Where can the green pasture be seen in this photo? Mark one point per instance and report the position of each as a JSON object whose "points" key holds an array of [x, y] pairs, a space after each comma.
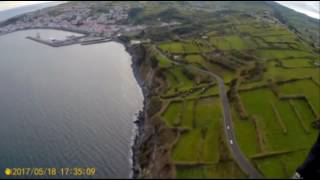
{"points": [[296, 63], [172, 114], [304, 87], [258, 103], [228, 42], [187, 116], [172, 47], [207, 111], [281, 166], [223, 170], [279, 74], [280, 54], [188, 147]]}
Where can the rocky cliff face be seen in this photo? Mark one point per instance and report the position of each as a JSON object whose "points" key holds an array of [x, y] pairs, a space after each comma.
{"points": [[154, 139]]}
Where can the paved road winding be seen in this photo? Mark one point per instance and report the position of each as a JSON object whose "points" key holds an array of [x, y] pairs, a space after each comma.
{"points": [[238, 156]]}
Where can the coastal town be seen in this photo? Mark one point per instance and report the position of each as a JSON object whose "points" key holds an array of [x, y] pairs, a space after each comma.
{"points": [[97, 23], [76, 18]]}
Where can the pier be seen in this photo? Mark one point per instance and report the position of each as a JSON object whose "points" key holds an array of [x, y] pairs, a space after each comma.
{"points": [[83, 40], [96, 41]]}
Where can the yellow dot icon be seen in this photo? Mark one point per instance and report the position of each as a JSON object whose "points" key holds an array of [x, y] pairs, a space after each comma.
{"points": [[7, 172]]}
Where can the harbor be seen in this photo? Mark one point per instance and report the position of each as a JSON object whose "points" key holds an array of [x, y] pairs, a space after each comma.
{"points": [[69, 40]]}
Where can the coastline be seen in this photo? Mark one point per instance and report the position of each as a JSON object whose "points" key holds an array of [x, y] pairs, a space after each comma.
{"points": [[140, 118], [150, 150]]}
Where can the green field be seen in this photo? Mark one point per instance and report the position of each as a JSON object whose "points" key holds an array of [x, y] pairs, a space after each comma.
{"points": [[164, 62], [207, 111], [281, 39], [191, 47], [172, 47], [173, 114], [187, 116], [280, 54], [204, 131], [228, 42], [194, 59], [281, 166], [218, 171], [226, 74], [245, 134], [257, 103], [210, 148], [296, 63], [307, 88], [188, 148], [177, 81], [278, 73]]}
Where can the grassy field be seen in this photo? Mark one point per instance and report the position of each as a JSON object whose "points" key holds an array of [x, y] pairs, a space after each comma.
{"points": [[191, 47], [281, 39], [210, 153], [184, 82], [207, 111], [296, 63], [177, 81], [197, 59], [164, 62], [218, 171], [173, 114], [187, 116], [228, 42], [278, 73], [172, 47], [245, 134], [281, 166], [280, 54], [188, 148], [194, 59], [204, 134], [257, 103], [226, 74], [304, 87]]}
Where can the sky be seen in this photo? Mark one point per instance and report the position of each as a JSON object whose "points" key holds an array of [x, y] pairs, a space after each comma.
{"points": [[6, 5], [310, 8]]}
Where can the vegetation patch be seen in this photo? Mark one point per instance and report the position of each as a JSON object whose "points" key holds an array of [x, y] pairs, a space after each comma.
{"points": [[307, 88], [207, 111], [172, 47], [281, 54], [257, 103], [281, 166], [228, 169], [173, 114], [187, 149], [188, 114], [228, 42], [296, 63]]}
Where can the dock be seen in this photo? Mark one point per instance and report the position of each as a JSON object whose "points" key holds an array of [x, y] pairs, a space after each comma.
{"points": [[67, 42], [96, 41]]}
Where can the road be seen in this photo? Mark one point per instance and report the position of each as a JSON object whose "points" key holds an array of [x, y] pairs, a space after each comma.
{"points": [[236, 152], [238, 156]]}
